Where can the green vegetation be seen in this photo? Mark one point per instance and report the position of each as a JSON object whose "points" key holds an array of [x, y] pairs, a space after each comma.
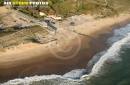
{"points": [[13, 37], [71, 7], [65, 8], [24, 11], [117, 74], [33, 12], [7, 31]]}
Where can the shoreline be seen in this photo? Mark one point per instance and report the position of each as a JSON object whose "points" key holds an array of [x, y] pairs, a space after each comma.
{"points": [[95, 33], [88, 45]]}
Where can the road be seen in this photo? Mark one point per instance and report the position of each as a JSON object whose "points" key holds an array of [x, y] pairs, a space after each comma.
{"points": [[49, 24], [36, 22]]}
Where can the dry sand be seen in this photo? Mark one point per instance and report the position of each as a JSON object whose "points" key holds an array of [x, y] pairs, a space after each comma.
{"points": [[3, 10], [40, 58], [91, 29], [101, 25]]}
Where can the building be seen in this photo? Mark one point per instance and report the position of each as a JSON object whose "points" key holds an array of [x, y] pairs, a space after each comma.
{"points": [[42, 14], [54, 17], [58, 18], [44, 24]]}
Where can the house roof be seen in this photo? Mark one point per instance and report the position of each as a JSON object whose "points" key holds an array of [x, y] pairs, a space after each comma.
{"points": [[42, 13]]}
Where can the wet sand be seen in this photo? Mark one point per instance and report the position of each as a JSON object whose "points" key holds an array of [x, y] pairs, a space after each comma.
{"points": [[52, 65]]}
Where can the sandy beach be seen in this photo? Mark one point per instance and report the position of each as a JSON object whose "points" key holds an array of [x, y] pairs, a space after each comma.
{"points": [[38, 59], [3, 10]]}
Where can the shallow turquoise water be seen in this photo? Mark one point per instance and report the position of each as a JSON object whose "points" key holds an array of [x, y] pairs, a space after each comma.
{"points": [[118, 73]]}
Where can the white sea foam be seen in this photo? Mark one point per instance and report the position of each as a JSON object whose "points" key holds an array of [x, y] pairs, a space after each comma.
{"points": [[113, 52], [119, 34], [29, 80], [94, 60], [75, 74], [43, 80]]}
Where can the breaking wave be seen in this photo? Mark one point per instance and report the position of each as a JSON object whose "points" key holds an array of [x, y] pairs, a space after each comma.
{"points": [[99, 63], [120, 40], [119, 34]]}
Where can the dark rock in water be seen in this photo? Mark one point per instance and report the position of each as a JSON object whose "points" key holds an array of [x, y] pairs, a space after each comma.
{"points": [[75, 74]]}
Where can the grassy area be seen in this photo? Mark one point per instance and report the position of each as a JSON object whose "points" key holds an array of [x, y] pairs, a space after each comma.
{"points": [[93, 7], [22, 0], [32, 12], [22, 36], [71, 7], [118, 5]]}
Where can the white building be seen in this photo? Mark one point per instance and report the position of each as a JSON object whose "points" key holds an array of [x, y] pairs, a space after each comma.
{"points": [[42, 14], [54, 17]]}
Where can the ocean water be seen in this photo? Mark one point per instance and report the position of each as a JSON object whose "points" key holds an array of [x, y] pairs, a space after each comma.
{"points": [[118, 73], [113, 66], [110, 67]]}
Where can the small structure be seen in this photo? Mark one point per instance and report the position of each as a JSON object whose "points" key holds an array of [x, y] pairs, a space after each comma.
{"points": [[76, 17], [44, 24], [1, 25], [72, 23], [58, 18], [42, 14], [54, 17]]}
